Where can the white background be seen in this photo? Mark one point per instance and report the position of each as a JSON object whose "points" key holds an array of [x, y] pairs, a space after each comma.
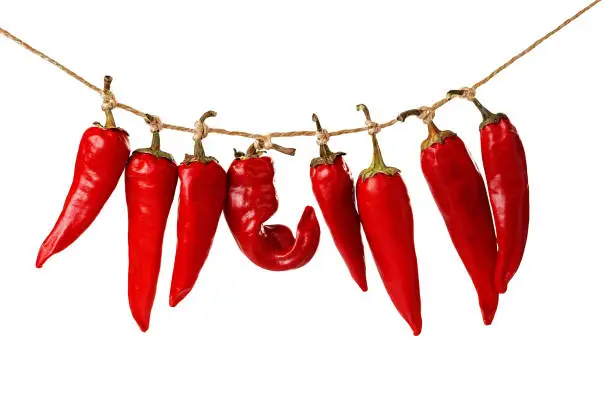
{"points": [[309, 338]]}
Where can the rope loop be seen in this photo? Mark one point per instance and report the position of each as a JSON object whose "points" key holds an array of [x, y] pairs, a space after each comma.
{"points": [[108, 98], [200, 130], [108, 101], [154, 122], [373, 127], [322, 137], [427, 114], [468, 93], [263, 143]]}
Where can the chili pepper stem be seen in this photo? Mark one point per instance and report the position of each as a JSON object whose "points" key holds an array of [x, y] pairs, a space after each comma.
{"points": [[110, 120], [155, 148], [198, 151], [435, 136], [253, 152], [483, 111], [488, 117], [378, 164], [199, 155], [412, 112], [198, 147], [326, 156], [155, 142], [325, 151]]}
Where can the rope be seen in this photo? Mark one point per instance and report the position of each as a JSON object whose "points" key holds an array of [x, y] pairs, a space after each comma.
{"points": [[427, 113]]}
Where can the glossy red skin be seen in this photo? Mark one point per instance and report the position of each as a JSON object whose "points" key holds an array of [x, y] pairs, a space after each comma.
{"points": [[201, 200], [505, 167], [99, 164], [334, 190], [150, 183], [459, 192], [386, 216], [251, 201]]}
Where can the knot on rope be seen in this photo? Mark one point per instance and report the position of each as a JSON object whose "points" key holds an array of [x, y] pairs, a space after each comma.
{"points": [[108, 100], [200, 130], [373, 127], [322, 137], [427, 114], [154, 122], [264, 143], [468, 93]]}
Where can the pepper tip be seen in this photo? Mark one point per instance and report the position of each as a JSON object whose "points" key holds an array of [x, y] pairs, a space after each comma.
{"points": [[144, 326], [43, 255], [176, 298], [487, 317], [361, 282], [141, 321]]}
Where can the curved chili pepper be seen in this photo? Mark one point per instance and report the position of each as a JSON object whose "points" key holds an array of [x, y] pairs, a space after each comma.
{"points": [[505, 168], [251, 201], [201, 200], [332, 185], [100, 161], [386, 216], [150, 183], [459, 192]]}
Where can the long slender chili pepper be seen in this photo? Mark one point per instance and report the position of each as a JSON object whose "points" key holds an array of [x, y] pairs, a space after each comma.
{"points": [[386, 215], [505, 168], [202, 196], [100, 161], [150, 183], [251, 201], [459, 192], [333, 187]]}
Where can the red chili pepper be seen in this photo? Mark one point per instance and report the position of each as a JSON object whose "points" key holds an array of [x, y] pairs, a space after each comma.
{"points": [[332, 185], [201, 200], [386, 216], [459, 192], [505, 167], [251, 201], [150, 183], [100, 161]]}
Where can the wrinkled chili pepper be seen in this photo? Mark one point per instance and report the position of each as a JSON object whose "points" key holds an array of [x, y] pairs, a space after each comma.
{"points": [[201, 199], [459, 191], [386, 216], [332, 185], [150, 183], [251, 201], [505, 168], [100, 161]]}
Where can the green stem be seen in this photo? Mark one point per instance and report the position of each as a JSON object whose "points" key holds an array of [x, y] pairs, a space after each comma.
{"points": [[198, 151], [378, 165], [435, 136], [486, 114], [155, 142], [377, 160], [325, 152], [110, 120], [252, 152], [488, 117]]}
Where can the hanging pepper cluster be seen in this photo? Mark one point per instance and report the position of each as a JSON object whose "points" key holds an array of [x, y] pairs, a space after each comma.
{"points": [[487, 222]]}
